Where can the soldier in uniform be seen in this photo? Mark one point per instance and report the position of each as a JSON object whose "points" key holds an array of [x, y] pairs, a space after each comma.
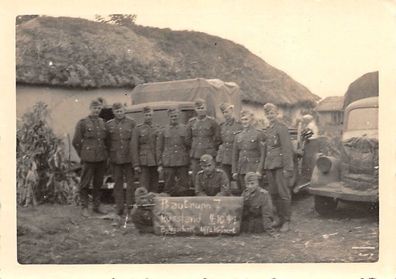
{"points": [[278, 165], [88, 141], [118, 141], [142, 212], [204, 133], [228, 130], [211, 181], [144, 150], [173, 158], [248, 150], [257, 207]]}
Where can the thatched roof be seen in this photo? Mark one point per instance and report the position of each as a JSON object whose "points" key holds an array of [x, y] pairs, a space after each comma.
{"points": [[75, 52], [333, 103], [363, 87]]}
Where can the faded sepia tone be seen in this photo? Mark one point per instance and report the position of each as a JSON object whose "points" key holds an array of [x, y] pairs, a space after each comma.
{"points": [[353, 234]]}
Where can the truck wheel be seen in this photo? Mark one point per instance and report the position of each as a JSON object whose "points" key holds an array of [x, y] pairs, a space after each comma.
{"points": [[325, 205]]}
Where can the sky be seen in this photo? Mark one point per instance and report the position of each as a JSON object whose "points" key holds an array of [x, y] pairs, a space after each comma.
{"points": [[325, 45]]}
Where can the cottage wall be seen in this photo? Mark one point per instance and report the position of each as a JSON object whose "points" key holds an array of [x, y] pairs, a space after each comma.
{"points": [[67, 106]]}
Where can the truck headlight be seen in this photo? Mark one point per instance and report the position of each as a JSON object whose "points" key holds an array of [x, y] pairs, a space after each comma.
{"points": [[324, 164]]}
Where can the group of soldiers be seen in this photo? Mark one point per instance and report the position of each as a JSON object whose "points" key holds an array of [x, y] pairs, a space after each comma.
{"points": [[215, 154]]}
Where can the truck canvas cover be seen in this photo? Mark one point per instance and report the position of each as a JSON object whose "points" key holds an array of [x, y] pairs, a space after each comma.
{"points": [[213, 91]]}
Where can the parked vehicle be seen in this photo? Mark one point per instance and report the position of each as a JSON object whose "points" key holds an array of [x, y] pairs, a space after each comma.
{"points": [[354, 176]]}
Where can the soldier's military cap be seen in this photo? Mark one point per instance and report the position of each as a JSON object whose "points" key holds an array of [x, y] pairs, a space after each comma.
{"points": [[307, 117], [140, 191], [173, 110], [268, 107], [246, 113], [199, 103], [251, 176], [206, 159], [117, 106], [96, 103], [147, 109], [225, 106]]}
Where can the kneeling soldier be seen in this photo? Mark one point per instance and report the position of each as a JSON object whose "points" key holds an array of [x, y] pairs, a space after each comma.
{"points": [[142, 213], [211, 181], [257, 207]]}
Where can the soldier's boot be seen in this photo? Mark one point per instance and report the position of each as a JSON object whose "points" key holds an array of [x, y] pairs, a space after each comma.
{"points": [[117, 221], [85, 212], [286, 212], [96, 203], [285, 227], [99, 210], [277, 222]]}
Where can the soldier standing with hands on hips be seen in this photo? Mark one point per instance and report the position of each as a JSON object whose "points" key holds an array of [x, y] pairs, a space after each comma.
{"points": [[144, 151], [228, 130], [204, 133], [248, 150], [118, 141], [278, 165], [173, 158], [88, 141]]}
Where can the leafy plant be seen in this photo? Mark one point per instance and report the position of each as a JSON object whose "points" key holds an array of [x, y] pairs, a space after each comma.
{"points": [[43, 173]]}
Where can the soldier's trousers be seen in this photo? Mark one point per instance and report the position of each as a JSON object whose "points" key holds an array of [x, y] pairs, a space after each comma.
{"points": [[91, 171], [176, 180], [149, 178], [280, 193], [228, 170], [195, 168], [123, 173]]}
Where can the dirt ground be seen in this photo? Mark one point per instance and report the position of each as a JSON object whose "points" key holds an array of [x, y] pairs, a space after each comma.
{"points": [[54, 234]]}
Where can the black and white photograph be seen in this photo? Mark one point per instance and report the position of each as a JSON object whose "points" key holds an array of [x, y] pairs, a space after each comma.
{"points": [[221, 132]]}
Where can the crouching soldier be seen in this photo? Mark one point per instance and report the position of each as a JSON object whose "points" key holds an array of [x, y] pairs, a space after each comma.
{"points": [[211, 181], [142, 213], [257, 207]]}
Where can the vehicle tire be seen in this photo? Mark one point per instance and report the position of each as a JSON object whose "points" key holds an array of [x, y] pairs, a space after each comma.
{"points": [[325, 205]]}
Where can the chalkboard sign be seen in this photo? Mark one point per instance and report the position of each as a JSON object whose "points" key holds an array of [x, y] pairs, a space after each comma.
{"points": [[197, 215]]}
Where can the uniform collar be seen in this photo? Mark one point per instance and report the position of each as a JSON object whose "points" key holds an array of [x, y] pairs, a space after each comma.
{"points": [[120, 120], [210, 174], [230, 121], [274, 123], [251, 192], [148, 123]]}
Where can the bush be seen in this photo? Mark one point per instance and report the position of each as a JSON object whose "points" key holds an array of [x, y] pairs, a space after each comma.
{"points": [[43, 173]]}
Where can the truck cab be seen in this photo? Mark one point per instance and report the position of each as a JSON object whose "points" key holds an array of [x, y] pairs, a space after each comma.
{"points": [[354, 175]]}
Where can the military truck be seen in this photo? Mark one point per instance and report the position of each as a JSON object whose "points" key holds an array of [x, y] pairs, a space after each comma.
{"points": [[353, 177]]}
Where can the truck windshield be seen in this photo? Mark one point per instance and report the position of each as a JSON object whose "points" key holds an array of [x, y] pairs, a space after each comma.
{"points": [[160, 117], [363, 119]]}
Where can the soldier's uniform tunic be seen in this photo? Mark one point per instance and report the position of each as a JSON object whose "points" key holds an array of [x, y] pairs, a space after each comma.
{"points": [[257, 210], [228, 131], [172, 150], [205, 137], [215, 183], [248, 153], [119, 136], [88, 141], [279, 157], [144, 150]]}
